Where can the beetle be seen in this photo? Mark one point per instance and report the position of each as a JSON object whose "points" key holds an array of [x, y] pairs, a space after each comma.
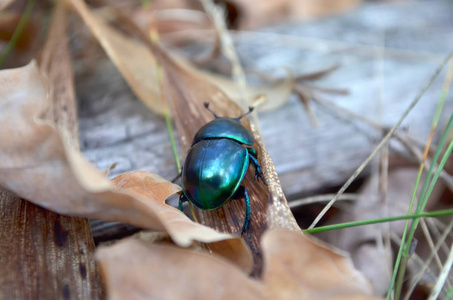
{"points": [[216, 164]]}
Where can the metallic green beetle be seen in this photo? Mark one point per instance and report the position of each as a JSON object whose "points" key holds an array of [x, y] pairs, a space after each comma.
{"points": [[216, 164]]}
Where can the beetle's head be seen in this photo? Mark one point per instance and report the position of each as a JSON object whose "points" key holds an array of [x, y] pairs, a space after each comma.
{"points": [[238, 119]]}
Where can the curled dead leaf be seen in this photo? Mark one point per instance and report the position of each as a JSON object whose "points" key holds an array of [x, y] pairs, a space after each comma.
{"points": [[297, 267], [38, 164]]}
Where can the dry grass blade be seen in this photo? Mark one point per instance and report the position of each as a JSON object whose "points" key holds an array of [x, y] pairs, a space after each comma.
{"points": [[427, 262], [435, 292], [226, 44], [322, 198]]}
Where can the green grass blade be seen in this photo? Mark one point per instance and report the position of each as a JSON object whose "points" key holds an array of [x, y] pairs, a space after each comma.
{"points": [[422, 203], [379, 220], [403, 238], [399, 266]]}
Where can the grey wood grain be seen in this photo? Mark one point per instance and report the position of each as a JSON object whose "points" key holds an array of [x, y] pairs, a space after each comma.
{"points": [[115, 127]]}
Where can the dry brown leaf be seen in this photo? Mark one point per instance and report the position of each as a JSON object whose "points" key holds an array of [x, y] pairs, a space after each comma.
{"points": [[5, 3], [37, 163], [255, 13], [132, 59], [297, 267], [166, 272], [138, 66]]}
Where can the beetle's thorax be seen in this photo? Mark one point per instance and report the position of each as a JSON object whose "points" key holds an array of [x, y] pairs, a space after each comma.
{"points": [[224, 127]]}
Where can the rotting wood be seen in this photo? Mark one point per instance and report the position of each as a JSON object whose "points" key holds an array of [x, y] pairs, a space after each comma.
{"points": [[44, 255]]}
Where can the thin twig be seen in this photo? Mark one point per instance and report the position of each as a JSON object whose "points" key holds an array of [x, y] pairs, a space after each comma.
{"points": [[432, 226], [430, 242], [305, 99], [227, 46], [427, 262], [316, 74]]}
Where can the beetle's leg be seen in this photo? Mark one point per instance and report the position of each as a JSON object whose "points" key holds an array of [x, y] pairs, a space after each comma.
{"points": [[253, 158], [182, 199], [242, 193]]}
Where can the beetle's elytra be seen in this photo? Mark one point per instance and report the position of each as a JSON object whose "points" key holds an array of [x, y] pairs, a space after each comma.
{"points": [[216, 164]]}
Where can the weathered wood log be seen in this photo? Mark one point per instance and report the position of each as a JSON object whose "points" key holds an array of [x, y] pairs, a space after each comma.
{"points": [[44, 255], [115, 127]]}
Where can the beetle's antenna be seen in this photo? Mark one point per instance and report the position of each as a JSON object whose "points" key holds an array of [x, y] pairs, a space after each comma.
{"points": [[206, 104], [251, 108]]}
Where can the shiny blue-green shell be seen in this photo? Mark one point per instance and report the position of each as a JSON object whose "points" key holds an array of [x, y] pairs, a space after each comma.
{"points": [[213, 171], [228, 128]]}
